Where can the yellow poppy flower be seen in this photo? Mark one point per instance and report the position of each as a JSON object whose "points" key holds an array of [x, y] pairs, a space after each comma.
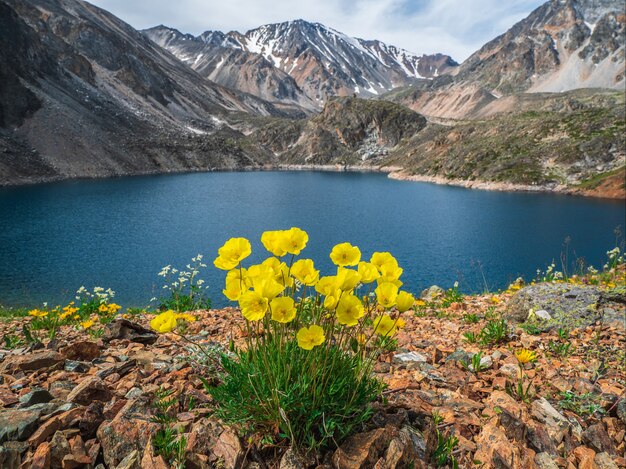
{"points": [[232, 253], [309, 337], [404, 301], [164, 322], [326, 285], [273, 242], [386, 326], [267, 287], [386, 294], [389, 272], [349, 310], [294, 240], [344, 254], [233, 289], [380, 258], [253, 305], [330, 301], [103, 308], [525, 356], [283, 309], [347, 279], [368, 272], [304, 271]]}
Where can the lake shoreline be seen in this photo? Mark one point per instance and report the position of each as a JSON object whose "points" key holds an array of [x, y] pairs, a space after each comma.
{"points": [[397, 173]]}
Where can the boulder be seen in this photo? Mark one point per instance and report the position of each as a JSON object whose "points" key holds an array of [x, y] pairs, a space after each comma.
{"points": [[128, 432], [431, 293], [84, 350], [17, 424], [568, 305], [89, 390], [36, 396], [31, 361], [124, 329], [363, 450], [597, 438]]}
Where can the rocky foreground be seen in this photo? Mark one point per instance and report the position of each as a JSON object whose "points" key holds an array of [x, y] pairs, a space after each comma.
{"points": [[80, 401]]}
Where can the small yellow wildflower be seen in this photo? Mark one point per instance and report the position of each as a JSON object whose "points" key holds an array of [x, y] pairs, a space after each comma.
{"points": [[37, 313], [87, 324], [186, 317], [114, 308], [309, 337], [103, 308], [525, 356]]}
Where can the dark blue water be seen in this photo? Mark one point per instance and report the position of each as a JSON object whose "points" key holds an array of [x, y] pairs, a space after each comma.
{"points": [[118, 233]]}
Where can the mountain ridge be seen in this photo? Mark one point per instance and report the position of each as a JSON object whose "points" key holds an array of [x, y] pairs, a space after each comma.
{"points": [[322, 61]]}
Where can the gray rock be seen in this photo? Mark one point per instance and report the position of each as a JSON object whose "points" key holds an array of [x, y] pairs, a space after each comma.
{"points": [[410, 357], [486, 362], [124, 329], [17, 424], [36, 396], [604, 461], [543, 314], [460, 356], [568, 305], [621, 410], [597, 438], [510, 370], [555, 423], [431, 293], [76, 366], [130, 462], [545, 461], [11, 454], [290, 460], [133, 393]]}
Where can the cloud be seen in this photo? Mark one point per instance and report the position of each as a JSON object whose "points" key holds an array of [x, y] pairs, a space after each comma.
{"points": [[455, 27]]}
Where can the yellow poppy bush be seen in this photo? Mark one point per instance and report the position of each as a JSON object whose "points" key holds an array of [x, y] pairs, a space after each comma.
{"points": [[311, 339]]}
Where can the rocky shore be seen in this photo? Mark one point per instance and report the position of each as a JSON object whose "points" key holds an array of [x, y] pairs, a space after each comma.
{"points": [[613, 192], [81, 401]]}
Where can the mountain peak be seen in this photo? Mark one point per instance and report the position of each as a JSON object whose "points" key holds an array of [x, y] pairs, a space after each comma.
{"points": [[322, 61]]}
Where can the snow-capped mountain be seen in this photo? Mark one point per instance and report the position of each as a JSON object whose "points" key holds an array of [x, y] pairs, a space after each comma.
{"points": [[300, 61]]}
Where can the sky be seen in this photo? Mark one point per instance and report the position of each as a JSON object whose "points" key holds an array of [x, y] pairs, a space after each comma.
{"points": [[454, 27]]}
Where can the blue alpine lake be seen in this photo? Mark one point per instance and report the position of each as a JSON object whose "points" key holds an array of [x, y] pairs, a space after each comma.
{"points": [[120, 232]]}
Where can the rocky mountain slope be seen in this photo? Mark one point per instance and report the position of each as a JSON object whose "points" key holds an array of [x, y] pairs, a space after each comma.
{"points": [[562, 45], [299, 61], [84, 94], [567, 142], [348, 131]]}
